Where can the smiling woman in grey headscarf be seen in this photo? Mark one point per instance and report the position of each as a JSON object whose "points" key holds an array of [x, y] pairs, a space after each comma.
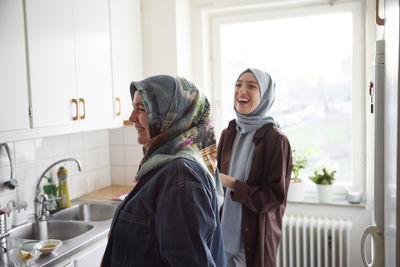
{"points": [[255, 161], [171, 216]]}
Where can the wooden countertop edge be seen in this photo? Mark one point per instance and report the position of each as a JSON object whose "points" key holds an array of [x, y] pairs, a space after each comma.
{"points": [[108, 192]]}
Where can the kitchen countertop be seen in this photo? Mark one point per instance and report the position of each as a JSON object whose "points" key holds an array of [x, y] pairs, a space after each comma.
{"points": [[77, 243], [107, 193]]}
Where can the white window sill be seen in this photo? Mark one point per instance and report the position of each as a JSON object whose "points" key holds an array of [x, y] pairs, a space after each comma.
{"points": [[338, 200]]}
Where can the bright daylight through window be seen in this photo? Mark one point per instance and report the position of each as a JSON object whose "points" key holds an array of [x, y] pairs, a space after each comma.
{"points": [[311, 59]]}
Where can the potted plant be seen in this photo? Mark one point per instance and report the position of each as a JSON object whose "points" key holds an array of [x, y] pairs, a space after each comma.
{"points": [[324, 181], [296, 187]]}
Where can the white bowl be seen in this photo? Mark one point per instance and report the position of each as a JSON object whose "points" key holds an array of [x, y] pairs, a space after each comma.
{"points": [[48, 246]]}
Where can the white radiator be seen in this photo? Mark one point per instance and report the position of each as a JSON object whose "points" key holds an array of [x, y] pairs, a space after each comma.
{"points": [[314, 242]]}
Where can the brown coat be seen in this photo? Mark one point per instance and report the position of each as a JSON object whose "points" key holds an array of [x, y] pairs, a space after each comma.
{"points": [[263, 196]]}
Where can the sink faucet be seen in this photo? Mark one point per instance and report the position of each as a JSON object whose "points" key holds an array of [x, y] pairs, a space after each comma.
{"points": [[41, 200]]}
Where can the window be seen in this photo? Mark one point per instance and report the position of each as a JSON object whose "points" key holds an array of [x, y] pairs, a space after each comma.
{"points": [[314, 55]]}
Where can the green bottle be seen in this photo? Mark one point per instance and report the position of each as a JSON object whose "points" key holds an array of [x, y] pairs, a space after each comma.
{"points": [[50, 189]]}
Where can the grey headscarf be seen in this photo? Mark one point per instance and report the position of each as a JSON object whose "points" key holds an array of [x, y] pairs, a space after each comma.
{"points": [[242, 158], [257, 118]]}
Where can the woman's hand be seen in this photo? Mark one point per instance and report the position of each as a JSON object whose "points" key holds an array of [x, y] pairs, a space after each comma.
{"points": [[227, 181]]}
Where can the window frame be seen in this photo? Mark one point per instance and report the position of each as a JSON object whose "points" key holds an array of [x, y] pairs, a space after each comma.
{"points": [[249, 14]]}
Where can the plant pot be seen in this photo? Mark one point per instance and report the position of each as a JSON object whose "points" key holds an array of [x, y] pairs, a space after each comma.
{"points": [[325, 193], [296, 191]]}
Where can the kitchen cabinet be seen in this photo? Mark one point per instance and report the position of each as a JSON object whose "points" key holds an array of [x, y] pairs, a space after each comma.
{"points": [[93, 58], [14, 101], [69, 61], [66, 65], [90, 256], [126, 42]]}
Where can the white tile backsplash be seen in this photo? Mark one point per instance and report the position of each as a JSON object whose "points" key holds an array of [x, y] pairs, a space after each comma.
{"points": [[25, 174], [130, 135], [26, 194], [103, 138], [107, 157], [125, 155], [104, 156], [92, 181], [60, 145], [24, 151], [33, 156], [77, 186], [104, 176], [76, 142], [90, 140], [118, 175], [117, 155], [91, 159], [117, 136], [43, 148]]}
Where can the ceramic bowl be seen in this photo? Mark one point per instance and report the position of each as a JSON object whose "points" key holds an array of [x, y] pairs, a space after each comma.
{"points": [[48, 246]]}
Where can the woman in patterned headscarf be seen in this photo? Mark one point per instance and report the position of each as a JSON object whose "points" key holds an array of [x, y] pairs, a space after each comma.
{"points": [[170, 218], [255, 161]]}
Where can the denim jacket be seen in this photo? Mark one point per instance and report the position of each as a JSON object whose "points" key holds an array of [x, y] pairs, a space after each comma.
{"points": [[170, 218]]}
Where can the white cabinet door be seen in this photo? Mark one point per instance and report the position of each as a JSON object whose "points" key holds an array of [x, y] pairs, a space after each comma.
{"points": [[126, 52], [50, 35], [13, 70], [90, 256], [70, 60], [93, 58]]}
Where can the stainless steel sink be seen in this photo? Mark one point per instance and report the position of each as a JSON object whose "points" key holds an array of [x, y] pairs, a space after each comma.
{"points": [[78, 227], [42, 230], [86, 212]]}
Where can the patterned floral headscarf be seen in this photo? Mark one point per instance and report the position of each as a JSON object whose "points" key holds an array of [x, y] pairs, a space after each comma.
{"points": [[179, 122]]}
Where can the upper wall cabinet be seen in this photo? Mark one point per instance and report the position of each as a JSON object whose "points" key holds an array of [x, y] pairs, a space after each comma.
{"points": [[126, 52], [93, 58], [14, 104], [69, 61]]}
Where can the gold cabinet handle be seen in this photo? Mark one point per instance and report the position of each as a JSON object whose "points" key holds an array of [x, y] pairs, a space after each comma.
{"points": [[76, 108], [119, 105], [378, 19], [82, 100]]}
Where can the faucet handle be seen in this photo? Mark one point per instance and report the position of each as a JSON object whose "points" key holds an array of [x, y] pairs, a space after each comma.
{"points": [[45, 207], [41, 206], [50, 197], [41, 198]]}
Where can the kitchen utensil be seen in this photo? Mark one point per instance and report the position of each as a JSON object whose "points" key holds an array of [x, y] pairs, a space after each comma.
{"points": [[12, 183]]}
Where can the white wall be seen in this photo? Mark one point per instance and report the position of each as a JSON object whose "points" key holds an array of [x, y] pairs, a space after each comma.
{"points": [[166, 40], [183, 39], [159, 37]]}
